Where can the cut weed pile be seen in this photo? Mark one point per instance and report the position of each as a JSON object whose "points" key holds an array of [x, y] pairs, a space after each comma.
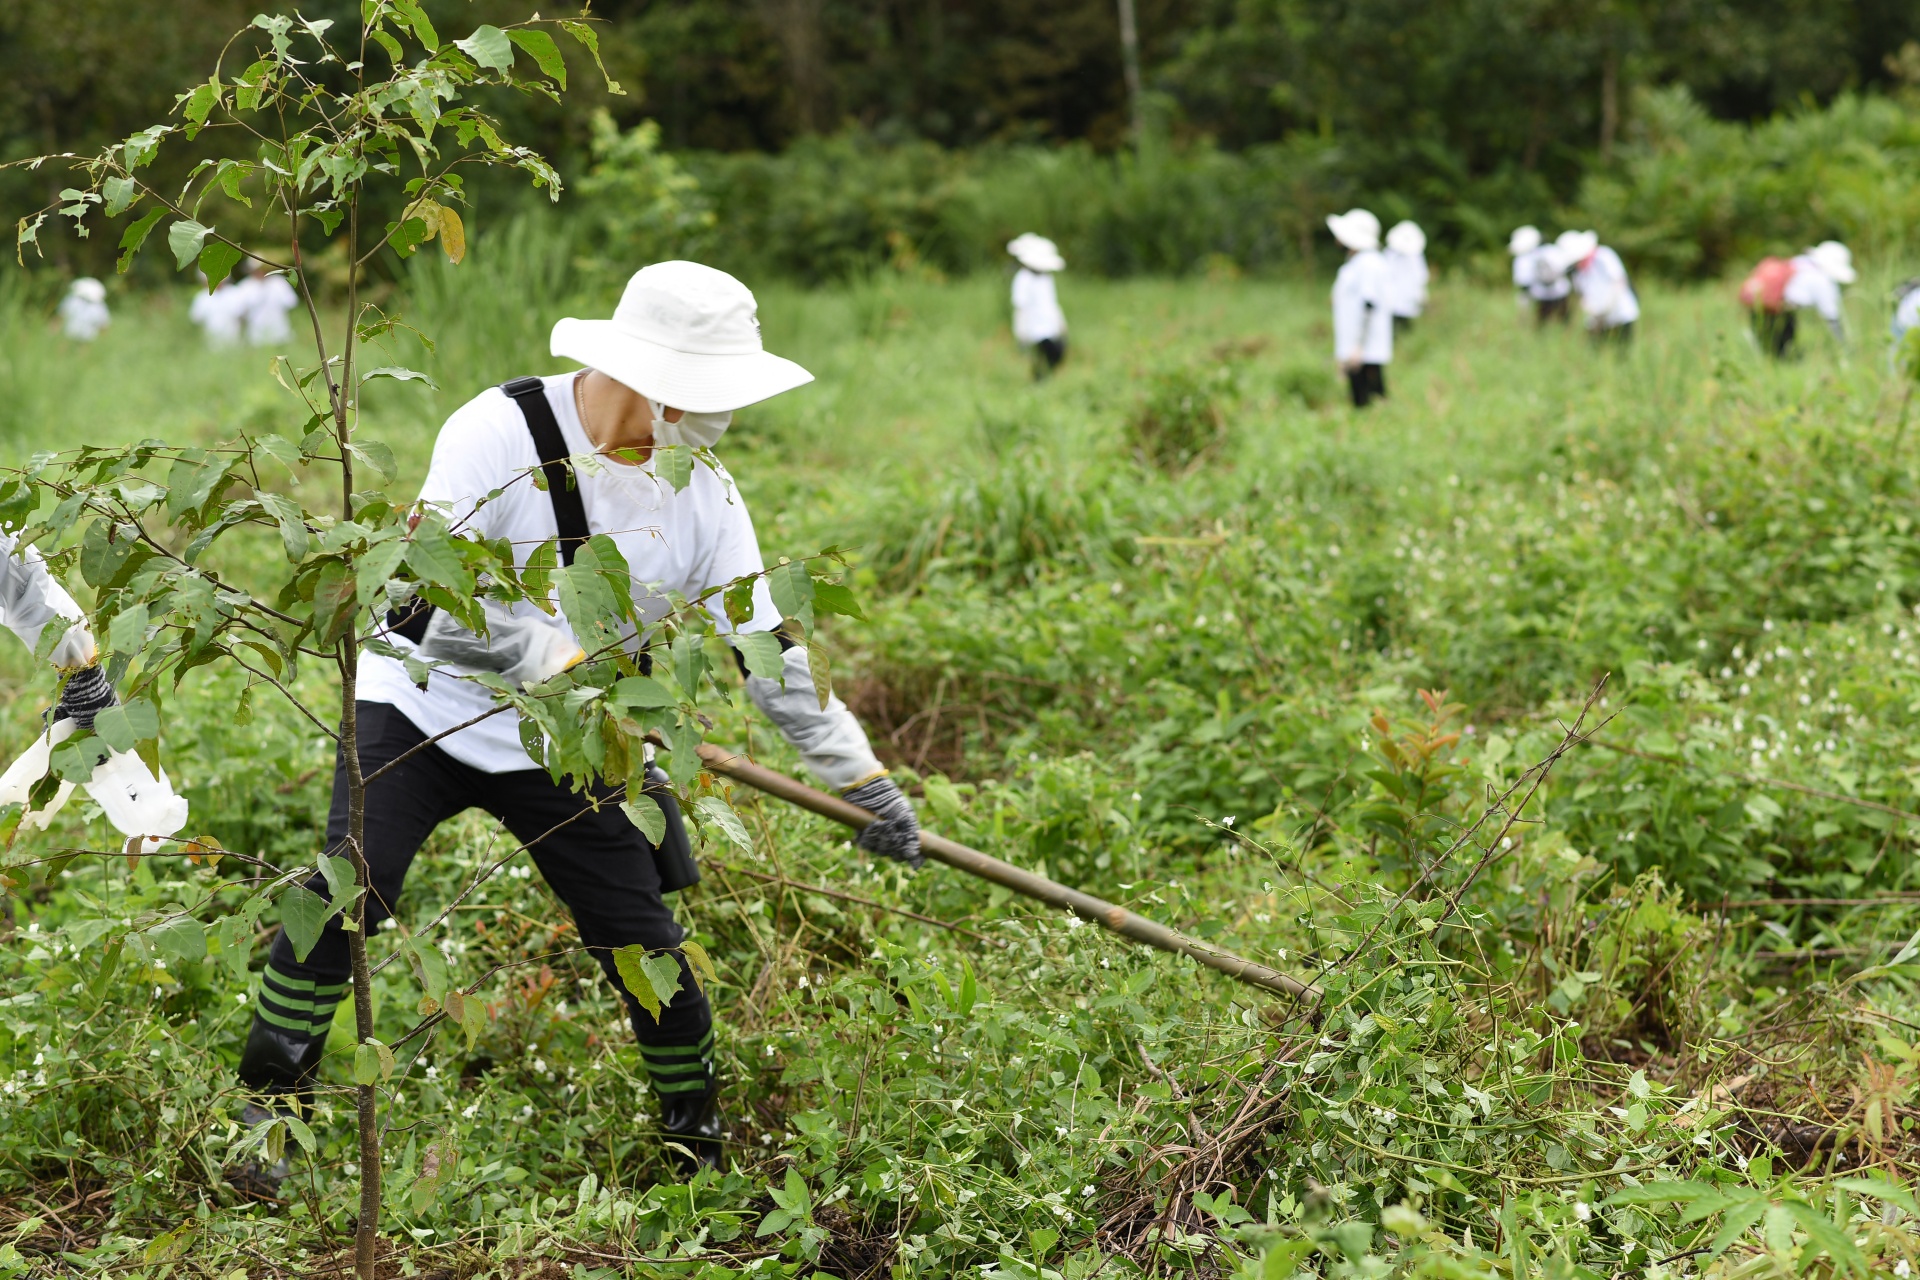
{"points": [[1557, 718]]}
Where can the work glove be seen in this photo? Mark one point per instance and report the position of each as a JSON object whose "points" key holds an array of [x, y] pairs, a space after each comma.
{"points": [[85, 695], [525, 649], [895, 831]]}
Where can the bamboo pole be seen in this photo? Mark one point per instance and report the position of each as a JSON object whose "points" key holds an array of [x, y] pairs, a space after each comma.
{"points": [[958, 856]]}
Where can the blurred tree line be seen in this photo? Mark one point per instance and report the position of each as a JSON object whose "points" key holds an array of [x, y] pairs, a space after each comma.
{"points": [[1470, 112]]}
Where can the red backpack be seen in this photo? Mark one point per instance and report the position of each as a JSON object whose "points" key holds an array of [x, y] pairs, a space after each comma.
{"points": [[1765, 288]]}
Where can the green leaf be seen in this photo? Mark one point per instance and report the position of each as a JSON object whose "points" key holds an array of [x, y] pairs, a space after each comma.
{"points": [[294, 535], [120, 194], [822, 671], [831, 597], [429, 968], [127, 725], [761, 650], [1821, 1230], [590, 40], [792, 588], [432, 555], [1663, 1193], [303, 913], [415, 18], [341, 881], [640, 693], [1880, 1189], [674, 464], [738, 603], [969, 989], [374, 568], [335, 603], [199, 105], [627, 962], [372, 1061], [185, 238], [398, 374], [182, 937], [375, 455], [489, 47], [136, 235], [663, 974], [699, 962], [544, 51], [723, 816], [644, 812]]}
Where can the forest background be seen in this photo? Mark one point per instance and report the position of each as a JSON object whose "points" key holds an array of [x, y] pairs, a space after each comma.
{"points": [[818, 139]]}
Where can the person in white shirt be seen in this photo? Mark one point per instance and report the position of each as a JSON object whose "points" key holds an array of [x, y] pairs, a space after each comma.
{"points": [[1407, 273], [1539, 273], [263, 300], [83, 312], [1038, 323], [220, 313], [680, 354], [1362, 307], [1606, 295], [1906, 312], [1776, 289]]}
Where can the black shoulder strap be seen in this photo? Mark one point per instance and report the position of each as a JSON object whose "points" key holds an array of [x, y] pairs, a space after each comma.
{"points": [[563, 489]]}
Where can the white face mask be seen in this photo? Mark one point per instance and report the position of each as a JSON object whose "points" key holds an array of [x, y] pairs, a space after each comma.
{"points": [[697, 430]]}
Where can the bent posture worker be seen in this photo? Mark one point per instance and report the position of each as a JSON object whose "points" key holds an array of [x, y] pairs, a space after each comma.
{"points": [[680, 354]]}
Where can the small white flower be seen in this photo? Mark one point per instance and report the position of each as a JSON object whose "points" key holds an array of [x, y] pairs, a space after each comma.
{"points": [[470, 1112], [1582, 1210], [1903, 1269], [1086, 1190], [1227, 821]]}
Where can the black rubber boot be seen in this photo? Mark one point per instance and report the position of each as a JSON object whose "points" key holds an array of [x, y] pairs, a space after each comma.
{"points": [[694, 1121], [277, 1067]]}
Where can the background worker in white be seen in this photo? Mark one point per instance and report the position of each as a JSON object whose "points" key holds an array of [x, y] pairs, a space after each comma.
{"points": [[1537, 271], [1906, 312], [1777, 288], [220, 313], [83, 312], [263, 301], [1407, 273], [1038, 323], [681, 352], [1606, 295], [1362, 307]]}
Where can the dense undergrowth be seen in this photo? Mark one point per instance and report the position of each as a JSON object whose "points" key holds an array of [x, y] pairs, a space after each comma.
{"points": [[1556, 719]]}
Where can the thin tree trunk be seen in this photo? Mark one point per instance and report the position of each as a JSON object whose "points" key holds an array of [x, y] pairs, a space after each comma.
{"points": [[1130, 66], [1609, 103], [346, 405]]}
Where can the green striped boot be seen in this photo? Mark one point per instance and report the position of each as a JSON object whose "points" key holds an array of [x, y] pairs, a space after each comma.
{"points": [[290, 1020], [690, 1118]]}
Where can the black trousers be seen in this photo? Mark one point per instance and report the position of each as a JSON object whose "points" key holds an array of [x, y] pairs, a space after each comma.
{"points": [[1047, 355], [1614, 335], [1775, 331], [593, 858], [1367, 383], [1548, 309]]}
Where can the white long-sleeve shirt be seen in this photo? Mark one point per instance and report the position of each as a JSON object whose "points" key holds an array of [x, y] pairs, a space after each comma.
{"points": [[31, 599], [1407, 278], [83, 318], [1036, 308], [1362, 318], [1810, 287], [1605, 293], [1530, 272]]}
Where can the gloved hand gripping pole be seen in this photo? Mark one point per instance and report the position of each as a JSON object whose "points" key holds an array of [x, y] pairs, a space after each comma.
{"points": [[958, 856]]}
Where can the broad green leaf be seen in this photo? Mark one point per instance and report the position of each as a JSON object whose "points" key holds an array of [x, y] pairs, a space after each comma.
{"points": [[303, 913], [761, 650], [376, 455], [185, 238], [628, 963], [342, 884], [398, 374], [644, 812], [674, 464], [136, 235], [737, 602], [831, 597], [191, 480], [431, 554], [294, 535], [335, 603], [126, 725], [590, 40], [792, 588], [372, 1062], [1880, 1189], [1739, 1219], [301, 1133], [822, 670], [234, 938], [120, 194], [723, 816], [640, 693], [473, 1018], [663, 974], [543, 50], [429, 968], [699, 962], [1663, 1193], [374, 568], [182, 937], [1822, 1231], [199, 105], [415, 17], [969, 989], [489, 47]]}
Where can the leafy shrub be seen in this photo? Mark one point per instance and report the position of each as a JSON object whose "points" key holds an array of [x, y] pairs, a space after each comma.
{"points": [[1182, 417]]}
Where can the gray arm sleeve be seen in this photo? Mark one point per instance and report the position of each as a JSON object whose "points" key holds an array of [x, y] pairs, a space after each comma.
{"points": [[30, 598], [831, 742]]}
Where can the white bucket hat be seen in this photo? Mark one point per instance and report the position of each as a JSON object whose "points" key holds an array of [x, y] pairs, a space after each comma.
{"points": [[1576, 246], [685, 336], [1835, 259], [1407, 238], [1356, 229], [1523, 240], [88, 289], [1036, 253]]}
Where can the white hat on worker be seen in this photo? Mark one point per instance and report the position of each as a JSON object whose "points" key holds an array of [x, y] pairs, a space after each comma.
{"points": [[1835, 259], [1407, 237], [1036, 253], [1577, 246], [1523, 240], [685, 336], [88, 289], [1356, 229]]}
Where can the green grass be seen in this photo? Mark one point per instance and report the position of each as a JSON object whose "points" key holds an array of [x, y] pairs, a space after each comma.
{"points": [[1088, 662]]}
